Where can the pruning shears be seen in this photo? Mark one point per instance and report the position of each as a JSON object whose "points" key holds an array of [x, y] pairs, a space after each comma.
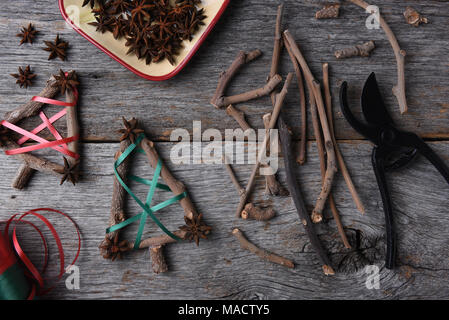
{"points": [[393, 149]]}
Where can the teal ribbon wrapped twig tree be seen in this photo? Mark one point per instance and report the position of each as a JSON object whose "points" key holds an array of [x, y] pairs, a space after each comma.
{"points": [[133, 140]]}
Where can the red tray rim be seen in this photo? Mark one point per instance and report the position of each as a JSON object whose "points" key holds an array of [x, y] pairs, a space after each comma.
{"points": [[141, 74]]}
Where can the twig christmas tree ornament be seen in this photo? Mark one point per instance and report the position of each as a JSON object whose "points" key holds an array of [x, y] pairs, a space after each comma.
{"points": [[64, 83], [133, 140]]}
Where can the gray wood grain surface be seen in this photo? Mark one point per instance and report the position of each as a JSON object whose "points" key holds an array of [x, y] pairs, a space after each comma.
{"points": [[219, 268]]}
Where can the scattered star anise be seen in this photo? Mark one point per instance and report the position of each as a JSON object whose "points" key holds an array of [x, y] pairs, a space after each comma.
{"points": [[66, 82], [24, 77], [27, 34], [113, 249], [130, 131], [120, 6], [56, 48], [70, 172], [195, 229]]}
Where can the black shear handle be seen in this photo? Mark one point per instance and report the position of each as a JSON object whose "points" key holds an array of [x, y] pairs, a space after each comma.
{"points": [[378, 158]]}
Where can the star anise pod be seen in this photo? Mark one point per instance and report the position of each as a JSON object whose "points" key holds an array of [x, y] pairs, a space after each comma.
{"points": [[27, 34], [56, 48], [70, 172], [66, 82], [166, 50], [162, 28], [140, 10], [130, 131], [135, 45], [24, 77], [195, 229], [113, 249], [119, 27], [91, 2], [120, 6], [103, 23], [4, 135]]}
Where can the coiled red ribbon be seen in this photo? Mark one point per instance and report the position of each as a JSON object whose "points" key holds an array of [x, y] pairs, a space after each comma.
{"points": [[8, 254], [60, 144]]}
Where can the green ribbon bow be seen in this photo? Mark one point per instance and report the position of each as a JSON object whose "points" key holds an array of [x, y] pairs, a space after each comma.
{"points": [[148, 211]]}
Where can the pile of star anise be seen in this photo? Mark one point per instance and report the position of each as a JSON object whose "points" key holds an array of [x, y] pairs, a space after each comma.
{"points": [[153, 29]]}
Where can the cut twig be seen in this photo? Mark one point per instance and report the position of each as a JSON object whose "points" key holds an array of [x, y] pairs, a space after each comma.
{"points": [[292, 46], [34, 162], [399, 88], [159, 240], [250, 211], [272, 185], [413, 17], [330, 10], [301, 159], [340, 159], [289, 161], [362, 50], [73, 128], [279, 103], [238, 116], [331, 168], [277, 47], [249, 95], [176, 186], [158, 263], [263, 254], [219, 100], [261, 214], [117, 214], [22, 177]]}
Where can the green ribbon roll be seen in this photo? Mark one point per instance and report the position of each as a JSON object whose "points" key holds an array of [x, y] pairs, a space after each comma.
{"points": [[13, 284], [147, 210]]}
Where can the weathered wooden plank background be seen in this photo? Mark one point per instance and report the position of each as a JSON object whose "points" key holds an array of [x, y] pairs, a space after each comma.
{"points": [[219, 268]]}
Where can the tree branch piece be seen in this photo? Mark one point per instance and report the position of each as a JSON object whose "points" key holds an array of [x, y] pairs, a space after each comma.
{"points": [[226, 76], [177, 187], [73, 128], [362, 50], [272, 185], [117, 214], [331, 169], [277, 47], [289, 161], [279, 103], [399, 88], [238, 116], [249, 95], [22, 177], [250, 211], [158, 263], [157, 241], [330, 10], [340, 159], [413, 17], [261, 214], [263, 254], [301, 159]]}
